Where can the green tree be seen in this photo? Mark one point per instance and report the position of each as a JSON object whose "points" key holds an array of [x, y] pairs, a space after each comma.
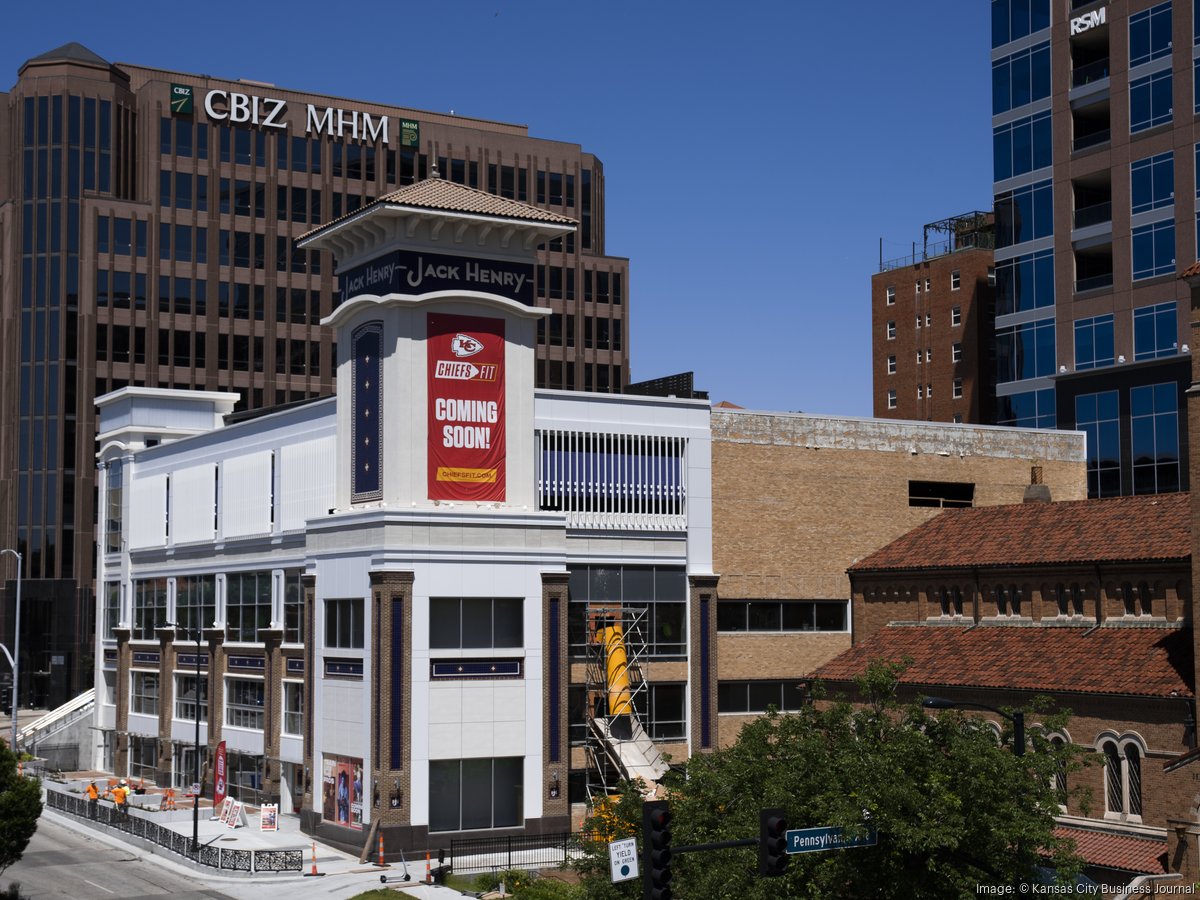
{"points": [[953, 809], [20, 806]]}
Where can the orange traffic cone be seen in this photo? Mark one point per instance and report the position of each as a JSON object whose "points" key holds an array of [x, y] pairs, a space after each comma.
{"points": [[314, 871], [382, 864], [428, 874]]}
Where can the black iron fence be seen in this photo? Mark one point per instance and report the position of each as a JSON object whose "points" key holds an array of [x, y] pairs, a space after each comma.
{"points": [[231, 860], [532, 851]]}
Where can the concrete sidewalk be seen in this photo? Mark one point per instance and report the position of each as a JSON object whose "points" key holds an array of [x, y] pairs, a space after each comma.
{"points": [[340, 875]]}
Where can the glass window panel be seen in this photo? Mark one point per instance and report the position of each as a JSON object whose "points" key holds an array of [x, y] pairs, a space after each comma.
{"points": [[476, 622], [507, 790], [444, 794], [476, 793], [508, 618]]}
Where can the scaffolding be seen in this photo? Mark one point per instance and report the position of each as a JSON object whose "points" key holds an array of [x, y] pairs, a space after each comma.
{"points": [[617, 746]]}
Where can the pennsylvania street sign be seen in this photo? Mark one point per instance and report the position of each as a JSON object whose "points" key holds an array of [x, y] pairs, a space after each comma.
{"points": [[813, 840]]}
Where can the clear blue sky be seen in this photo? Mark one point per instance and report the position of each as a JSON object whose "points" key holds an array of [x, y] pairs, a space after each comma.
{"points": [[754, 155]]}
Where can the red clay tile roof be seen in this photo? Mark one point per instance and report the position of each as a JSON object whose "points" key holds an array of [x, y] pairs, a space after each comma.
{"points": [[1145, 661], [1118, 851], [1191, 271], [725, 404], [1126, 528]]}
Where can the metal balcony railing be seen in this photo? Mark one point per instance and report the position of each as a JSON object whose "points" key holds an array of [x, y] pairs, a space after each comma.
{"points": [[1091, 140], [1087, 74], [1093, 215], [1093, 282]]}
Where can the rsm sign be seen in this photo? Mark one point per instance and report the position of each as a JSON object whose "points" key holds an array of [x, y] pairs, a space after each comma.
{"points": [[271, 112], [1087, 21]]}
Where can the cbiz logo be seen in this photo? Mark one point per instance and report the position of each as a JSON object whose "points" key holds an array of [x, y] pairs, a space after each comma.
{"points": [[1087, 21]]}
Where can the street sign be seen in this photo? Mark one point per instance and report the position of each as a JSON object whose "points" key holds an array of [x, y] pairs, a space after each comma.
{"points": [[623, 858], [814, 840]]}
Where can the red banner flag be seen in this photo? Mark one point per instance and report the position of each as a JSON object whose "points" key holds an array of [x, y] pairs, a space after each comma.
{"points": [[466, 407], [219, 776]]}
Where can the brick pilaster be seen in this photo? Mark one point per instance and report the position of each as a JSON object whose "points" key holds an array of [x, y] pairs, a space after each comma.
{"points": [[389, 794], [702, 636], [555, 677]]}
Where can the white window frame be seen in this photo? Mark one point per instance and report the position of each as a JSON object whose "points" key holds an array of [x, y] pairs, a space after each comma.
{"points": [[248, 711], [928, 354], [891, 330], [955, 280], [891, 365], [138, 698], [955, 315], [891, 398], [958, 388], [292, 687], [891, 295], [1122, 744], [956, 351], [176, 713], [918, 356], [920, 391]]}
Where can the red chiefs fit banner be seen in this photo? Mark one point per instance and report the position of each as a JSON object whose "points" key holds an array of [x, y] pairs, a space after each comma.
{"points": [[219, 776], [466, 407]]}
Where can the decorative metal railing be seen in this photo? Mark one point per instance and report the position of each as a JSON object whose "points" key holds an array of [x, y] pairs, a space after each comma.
{"points": [[232, 860]]}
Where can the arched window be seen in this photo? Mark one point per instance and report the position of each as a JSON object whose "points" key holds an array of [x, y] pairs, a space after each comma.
{"points": [[1063, 599], [1058, 742], [1076, 599], [1001, 600], [951, 600], [1128, 597], [1145, 599], [1122, 777], [1014, 600]]}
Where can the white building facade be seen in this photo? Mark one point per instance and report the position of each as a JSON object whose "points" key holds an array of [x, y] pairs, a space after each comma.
{"points": [[377, 601]]}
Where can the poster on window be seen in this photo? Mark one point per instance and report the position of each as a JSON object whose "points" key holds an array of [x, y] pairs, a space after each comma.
{"points": [[466, 407], [343, 790]]}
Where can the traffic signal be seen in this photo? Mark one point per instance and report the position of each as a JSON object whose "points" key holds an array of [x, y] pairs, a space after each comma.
{"points": [[656, 850], [772, 843]]}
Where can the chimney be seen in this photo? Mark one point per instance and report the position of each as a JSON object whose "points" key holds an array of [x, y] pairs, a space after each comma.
{"points": [[1036, 492]]}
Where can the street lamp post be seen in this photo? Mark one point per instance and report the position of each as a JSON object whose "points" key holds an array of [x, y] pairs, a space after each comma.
{"points": [[16, 661], [196, 752], [1017, 718]]}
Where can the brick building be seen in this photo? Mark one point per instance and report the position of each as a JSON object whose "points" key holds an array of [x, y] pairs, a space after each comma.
{"points": [[798, 498], [1088, 602], [932, 353]]}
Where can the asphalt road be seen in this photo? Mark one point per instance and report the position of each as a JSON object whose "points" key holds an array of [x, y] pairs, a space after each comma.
{"points": [[63, 863]]}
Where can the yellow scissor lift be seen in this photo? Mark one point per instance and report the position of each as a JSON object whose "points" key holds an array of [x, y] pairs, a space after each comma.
{"points": [[617, 744]]}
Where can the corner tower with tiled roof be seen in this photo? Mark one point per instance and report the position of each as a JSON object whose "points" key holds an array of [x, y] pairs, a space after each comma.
{"points": [[430, 264]]}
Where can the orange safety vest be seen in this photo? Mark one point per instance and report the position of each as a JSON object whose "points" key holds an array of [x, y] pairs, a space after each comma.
{"points": [[119, 794], [92, 793]]}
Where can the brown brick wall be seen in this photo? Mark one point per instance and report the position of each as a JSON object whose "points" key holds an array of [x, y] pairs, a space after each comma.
{"points": [[702, 596], [935, 340], [556, 757], [744, 657], [789, 518], [386, 781], [883, 597]]}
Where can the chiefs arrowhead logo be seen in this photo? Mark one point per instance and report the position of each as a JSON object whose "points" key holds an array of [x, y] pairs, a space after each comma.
{"points": [[464, 345]]}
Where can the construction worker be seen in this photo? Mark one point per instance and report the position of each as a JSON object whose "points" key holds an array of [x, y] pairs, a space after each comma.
{"points": [[120, 795], [93, 798]]}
